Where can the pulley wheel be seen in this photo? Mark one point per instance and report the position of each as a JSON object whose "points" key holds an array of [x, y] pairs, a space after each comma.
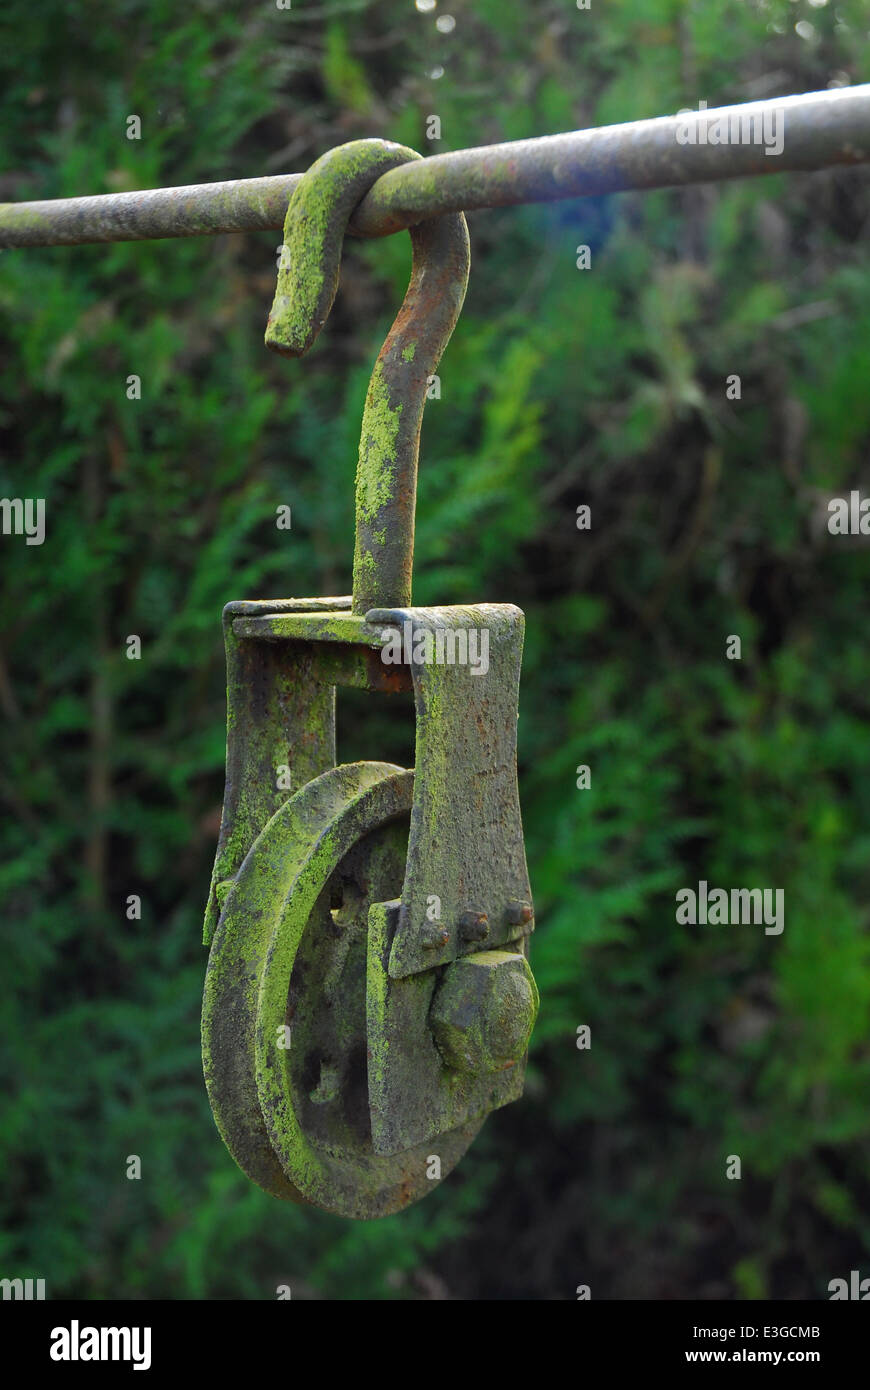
{"points": [[284, 1010]]}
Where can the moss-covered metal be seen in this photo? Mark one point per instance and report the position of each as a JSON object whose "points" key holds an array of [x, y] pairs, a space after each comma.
{"points": [[466, 882], [278, 716], [484, 1011], [386, 480], [824, 129], [284, 1012], [466, 848], [323, 896], [355, 1035], [416, 1090]]}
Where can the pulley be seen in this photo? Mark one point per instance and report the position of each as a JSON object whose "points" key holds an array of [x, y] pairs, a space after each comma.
{"points": [[368, 999]]}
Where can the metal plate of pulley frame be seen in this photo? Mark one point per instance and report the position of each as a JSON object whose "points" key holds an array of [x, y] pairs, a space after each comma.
{"points": [[285, 1049]]}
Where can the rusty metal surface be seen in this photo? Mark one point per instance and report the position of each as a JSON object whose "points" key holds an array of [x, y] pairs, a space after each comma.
{"points": [[349, 904], [467, 883], [822, 129], [327, 624], [348, 649], [278, 714], [484, 1011], [284, 659], [386, 480], [284, 1007], [466, 848], [415, 1092], [326, 913], [386, 484]]}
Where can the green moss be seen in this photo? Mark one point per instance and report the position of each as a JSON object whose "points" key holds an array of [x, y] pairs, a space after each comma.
{"points": [[313, 233], [365, 564], [257, 1096], [377, 452]]}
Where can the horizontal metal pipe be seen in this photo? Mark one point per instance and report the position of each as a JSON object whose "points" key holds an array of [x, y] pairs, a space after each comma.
{"points": [[817, 129]]}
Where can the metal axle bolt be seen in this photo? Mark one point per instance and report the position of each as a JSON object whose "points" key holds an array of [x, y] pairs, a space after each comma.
{"points": [[484, 1011]]}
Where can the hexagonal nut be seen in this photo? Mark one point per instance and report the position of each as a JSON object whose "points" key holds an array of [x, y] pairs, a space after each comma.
{"points": [[484, 1011]]}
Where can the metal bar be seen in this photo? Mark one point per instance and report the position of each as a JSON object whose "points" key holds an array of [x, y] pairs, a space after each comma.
{"points": [[819, 129]]}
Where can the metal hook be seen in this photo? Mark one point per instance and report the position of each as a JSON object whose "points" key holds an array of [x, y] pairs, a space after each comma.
{"points": [[386, 480]]}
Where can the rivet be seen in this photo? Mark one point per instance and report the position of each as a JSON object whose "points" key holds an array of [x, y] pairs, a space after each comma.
{"points": [[474, 926], [434, 936]]}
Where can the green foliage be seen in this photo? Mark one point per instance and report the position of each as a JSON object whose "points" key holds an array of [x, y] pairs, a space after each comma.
{"points": [[561, 387]]}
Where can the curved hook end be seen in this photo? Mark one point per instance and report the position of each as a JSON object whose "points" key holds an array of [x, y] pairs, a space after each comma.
{"points": [[286, 333], [296, 316], [317, 215]]}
